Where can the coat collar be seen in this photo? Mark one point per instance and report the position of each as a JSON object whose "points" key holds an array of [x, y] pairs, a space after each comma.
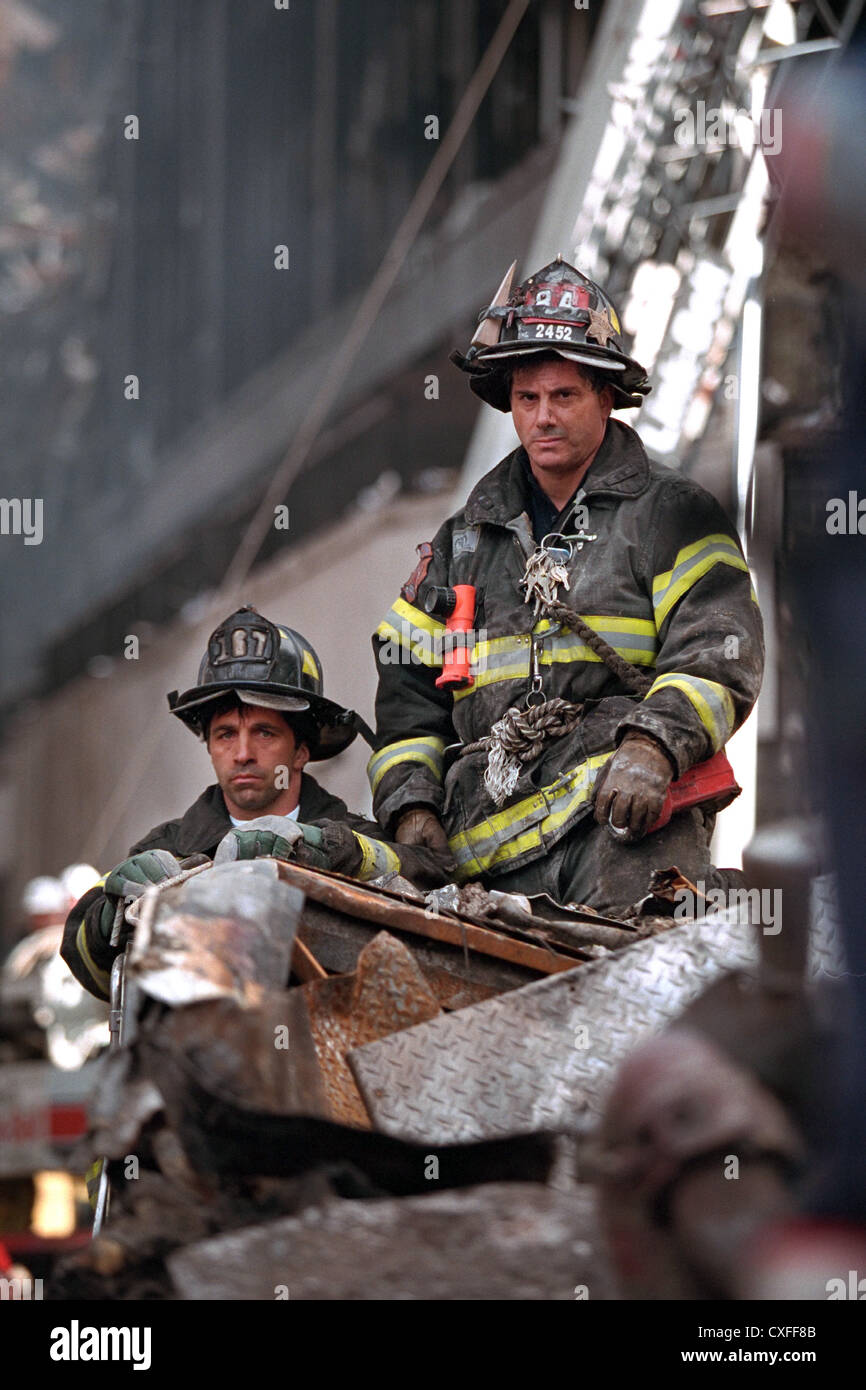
{"points": [[620, 468], [202, 827], [206, 822]]}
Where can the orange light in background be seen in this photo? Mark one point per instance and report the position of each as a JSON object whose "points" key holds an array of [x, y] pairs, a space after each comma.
{"points": [[54, 1205]]}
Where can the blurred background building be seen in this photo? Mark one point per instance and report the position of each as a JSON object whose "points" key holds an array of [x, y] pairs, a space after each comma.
{"points": [[158, 348]]}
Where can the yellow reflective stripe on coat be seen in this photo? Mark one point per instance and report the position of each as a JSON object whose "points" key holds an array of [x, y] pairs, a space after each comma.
{"points": [[498, 659], [691, 564], [414, 631], [91, 1181], [376, 858], [711, 700], [102, 977], [508, 834], [428, 751], [507, 658], [635, 639]]}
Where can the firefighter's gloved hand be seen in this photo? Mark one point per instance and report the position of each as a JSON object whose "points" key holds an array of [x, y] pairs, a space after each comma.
{"points": [[422, 827], [133, 877], [311, 850], [631, 790], [273, 836]]}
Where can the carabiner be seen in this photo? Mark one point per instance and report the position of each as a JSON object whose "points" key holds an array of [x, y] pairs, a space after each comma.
{"points": [[535, 694], [564, 549]]}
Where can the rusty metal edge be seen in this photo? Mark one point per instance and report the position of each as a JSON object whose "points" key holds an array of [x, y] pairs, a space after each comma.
{"points": [[338, 893]]}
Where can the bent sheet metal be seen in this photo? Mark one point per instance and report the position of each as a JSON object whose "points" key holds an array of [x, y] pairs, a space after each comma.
{"points": [[542, 1057]]}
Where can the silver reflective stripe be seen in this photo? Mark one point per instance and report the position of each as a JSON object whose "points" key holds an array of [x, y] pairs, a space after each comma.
{"points": [[507, 658], [712, 702], [424, 750], [690, 565], [500, 659], [632, 645], [413, 631], [524, 826], [376, 858]]}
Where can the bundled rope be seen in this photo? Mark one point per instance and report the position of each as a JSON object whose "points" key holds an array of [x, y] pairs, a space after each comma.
{"points": [[517, 738], [520, 734]]}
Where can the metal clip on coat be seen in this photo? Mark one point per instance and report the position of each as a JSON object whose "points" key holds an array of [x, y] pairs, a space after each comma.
{"points": [[457, 608]]}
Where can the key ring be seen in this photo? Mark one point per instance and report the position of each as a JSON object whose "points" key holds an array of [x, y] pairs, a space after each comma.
{"points": [[619, 832], [566, 548]]}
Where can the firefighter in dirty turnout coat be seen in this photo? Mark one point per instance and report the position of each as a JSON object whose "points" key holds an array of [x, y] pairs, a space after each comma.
{"points": [[615, 638], [259, 706]]}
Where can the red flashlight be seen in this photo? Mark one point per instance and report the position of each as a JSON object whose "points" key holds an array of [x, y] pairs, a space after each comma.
{"points": [[457, 607]]}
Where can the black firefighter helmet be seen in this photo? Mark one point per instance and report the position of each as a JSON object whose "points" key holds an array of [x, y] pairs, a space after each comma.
{"points": [[272, 666], [555, 310]]}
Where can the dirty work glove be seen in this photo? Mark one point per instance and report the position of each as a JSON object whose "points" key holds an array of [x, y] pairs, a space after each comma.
{"points": [[273, 836], [133, 877], [631, 790], [311, 849], [422, 827]]}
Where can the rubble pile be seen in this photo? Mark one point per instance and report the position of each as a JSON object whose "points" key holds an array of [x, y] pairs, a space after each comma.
{"points": [[418, 1114]]}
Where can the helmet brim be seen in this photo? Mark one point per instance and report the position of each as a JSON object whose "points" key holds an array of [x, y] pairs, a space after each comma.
{"points": [[489, 379], [585, 355], [334, 726]]}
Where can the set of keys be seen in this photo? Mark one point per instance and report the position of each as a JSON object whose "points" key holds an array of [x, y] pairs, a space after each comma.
{"points": [[546, 568]]}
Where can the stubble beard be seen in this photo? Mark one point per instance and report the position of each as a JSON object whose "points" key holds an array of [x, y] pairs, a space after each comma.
{"points": [[562, 469], [253, 798]]}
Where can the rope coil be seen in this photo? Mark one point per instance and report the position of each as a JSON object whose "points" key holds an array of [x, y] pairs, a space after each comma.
{"points": [[520, 734], [517, 738]]}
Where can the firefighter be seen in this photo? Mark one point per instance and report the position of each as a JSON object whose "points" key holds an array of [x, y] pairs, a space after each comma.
{"points": [[615, 636], [259, 708]]}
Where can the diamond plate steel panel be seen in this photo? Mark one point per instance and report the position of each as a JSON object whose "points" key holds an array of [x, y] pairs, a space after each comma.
{"points": [[543, 1056], [386, 992]]}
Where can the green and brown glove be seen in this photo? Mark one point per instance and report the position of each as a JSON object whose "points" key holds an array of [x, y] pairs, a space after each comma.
{"points": [[133, 877], [274, 837], [312, 850]]}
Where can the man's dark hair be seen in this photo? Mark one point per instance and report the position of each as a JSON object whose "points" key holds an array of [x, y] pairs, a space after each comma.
{"points": [[303, 726], [597, 378]]}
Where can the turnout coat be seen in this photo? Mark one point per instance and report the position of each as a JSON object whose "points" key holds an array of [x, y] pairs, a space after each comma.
{"points": [[665, 583]]}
